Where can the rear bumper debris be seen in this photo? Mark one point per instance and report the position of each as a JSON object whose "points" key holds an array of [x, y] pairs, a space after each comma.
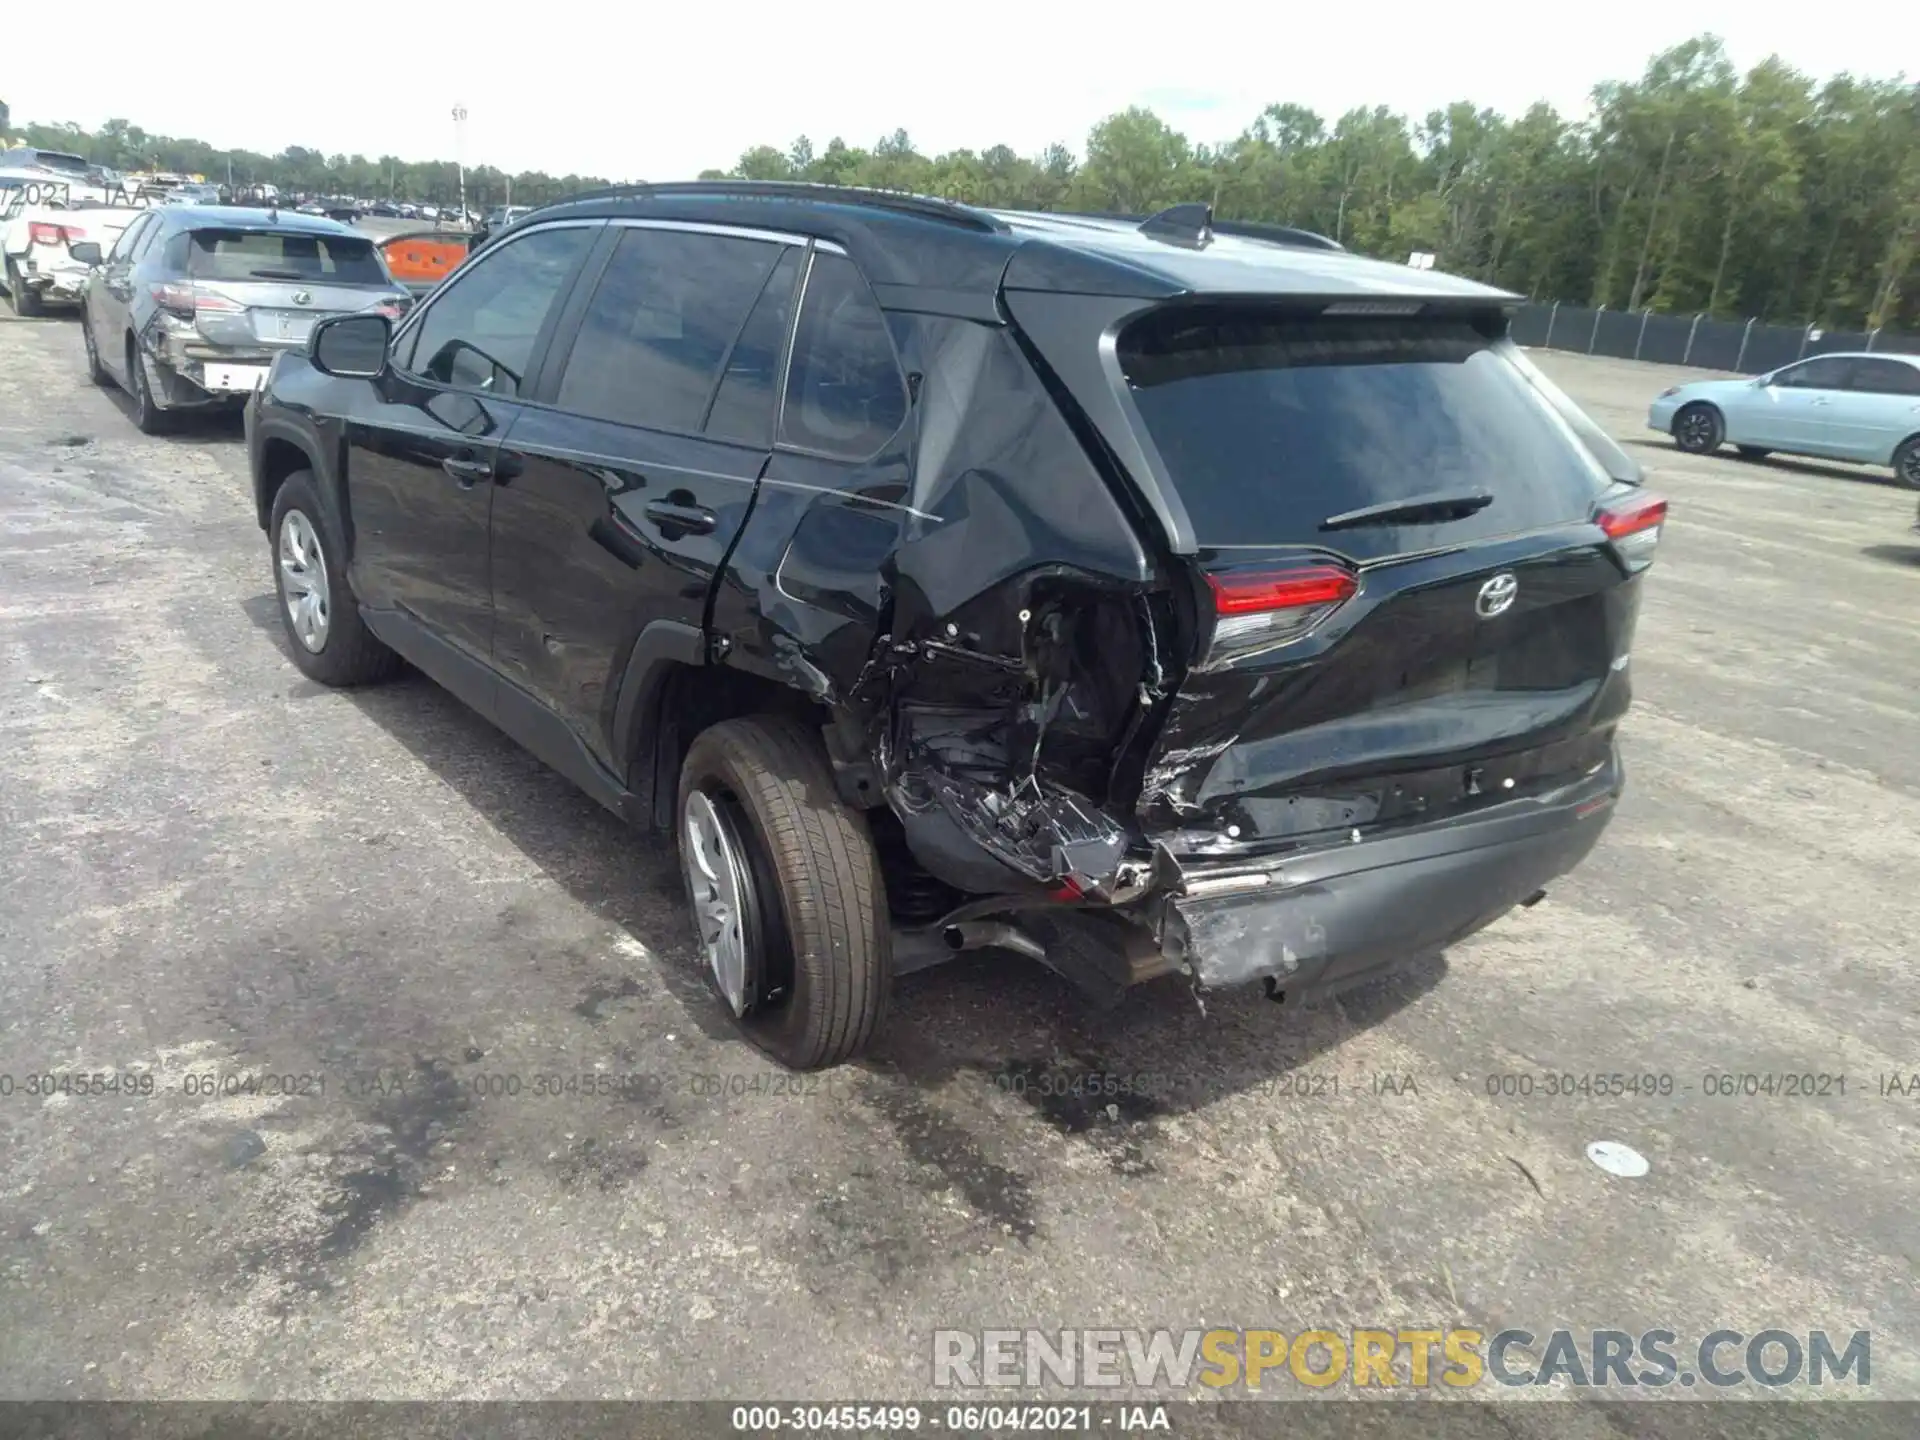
{"points": [[1324, 919]]}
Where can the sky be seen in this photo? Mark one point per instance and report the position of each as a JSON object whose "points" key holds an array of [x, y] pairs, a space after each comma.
{"points": [[662, 91]]}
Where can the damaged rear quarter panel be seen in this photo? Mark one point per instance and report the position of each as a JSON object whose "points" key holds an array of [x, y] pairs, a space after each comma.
{"points": [[971, 600]]}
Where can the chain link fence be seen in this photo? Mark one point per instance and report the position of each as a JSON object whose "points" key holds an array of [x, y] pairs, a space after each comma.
{"points": [[1746, 347]]}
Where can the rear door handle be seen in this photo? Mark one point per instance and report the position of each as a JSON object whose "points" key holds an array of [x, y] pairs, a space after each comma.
{"points": [[687, 519], [468, 472]]}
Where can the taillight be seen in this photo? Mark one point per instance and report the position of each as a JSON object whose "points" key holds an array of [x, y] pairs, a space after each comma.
{"points": [[39, 232], [185, 300], [1633, 525], [1258, 609]]}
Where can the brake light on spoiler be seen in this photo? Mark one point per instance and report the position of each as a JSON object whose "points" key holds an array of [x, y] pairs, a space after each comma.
{"points": [[1258, 609], [1633, 525]]}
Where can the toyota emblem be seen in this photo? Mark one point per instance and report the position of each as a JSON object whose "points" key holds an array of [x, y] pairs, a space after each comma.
{"points": [[1496, 596], [301, 297]]}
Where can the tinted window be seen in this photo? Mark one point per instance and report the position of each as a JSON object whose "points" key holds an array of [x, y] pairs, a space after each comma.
{"points": [[479, 334], [1270, 425], [1886, 377], [844, 393], [145, 240], [661, 321], [1827, 373], [284, 255], [123, 246], [743, 405]]}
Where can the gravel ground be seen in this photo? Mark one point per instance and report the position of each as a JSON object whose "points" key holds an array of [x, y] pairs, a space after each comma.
{"points": [[213, 868]]}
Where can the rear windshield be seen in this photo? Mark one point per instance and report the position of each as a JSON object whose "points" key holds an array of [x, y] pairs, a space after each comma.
{"points": [[283, 255], [1270, 425]]}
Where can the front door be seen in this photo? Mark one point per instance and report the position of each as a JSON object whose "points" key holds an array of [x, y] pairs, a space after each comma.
{"points": [[423, 441], [1801, 400], [629, 486], [109, 296]]}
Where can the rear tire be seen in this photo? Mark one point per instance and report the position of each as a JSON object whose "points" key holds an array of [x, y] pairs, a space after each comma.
{"points": [[1752, 452], [811, 918], [1698, 429], [147, 414], [329, 640], [26, 303], [1906, 462]]}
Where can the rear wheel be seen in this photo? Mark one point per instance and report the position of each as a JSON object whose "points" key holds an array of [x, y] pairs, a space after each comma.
{"points": [[1752, 452], [147, 413], [1906, 462], [26, 303], [1698, 429], [785, 891]]}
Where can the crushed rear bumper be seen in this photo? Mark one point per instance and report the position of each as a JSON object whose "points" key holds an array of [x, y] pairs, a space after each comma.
{"points": [[1320, 920]]}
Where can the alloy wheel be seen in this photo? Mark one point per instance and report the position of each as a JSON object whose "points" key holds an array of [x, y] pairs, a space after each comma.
{"points": [[721, 893], [303, 581]]}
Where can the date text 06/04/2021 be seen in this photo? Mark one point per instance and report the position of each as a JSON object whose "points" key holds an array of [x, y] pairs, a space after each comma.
{"points": [[968, 1419]]}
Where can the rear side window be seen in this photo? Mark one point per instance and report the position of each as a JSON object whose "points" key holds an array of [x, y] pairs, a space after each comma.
{"points": [[1270, 425], [284, 255], [1886, 377], [845, 397], [743, 405], [660, 323]]}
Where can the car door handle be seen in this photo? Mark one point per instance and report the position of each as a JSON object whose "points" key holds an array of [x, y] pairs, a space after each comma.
{"points": [[467, 472], [687, 519], [1821, 400]]}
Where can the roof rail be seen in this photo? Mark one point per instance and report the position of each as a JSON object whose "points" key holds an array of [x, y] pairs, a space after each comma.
{"points": [[925, 207], [1276, 234]]}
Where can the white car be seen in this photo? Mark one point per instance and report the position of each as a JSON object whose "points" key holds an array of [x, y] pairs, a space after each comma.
{"points": [[36, 227], [1844, 406]]}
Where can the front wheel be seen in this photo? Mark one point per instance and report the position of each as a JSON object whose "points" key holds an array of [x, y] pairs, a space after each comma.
{"points": [[785, 891], [329, 640], [1906, 462], [1698, 429]]}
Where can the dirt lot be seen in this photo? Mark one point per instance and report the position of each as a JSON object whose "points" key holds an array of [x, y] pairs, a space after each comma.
{"points": [[212, 868]]}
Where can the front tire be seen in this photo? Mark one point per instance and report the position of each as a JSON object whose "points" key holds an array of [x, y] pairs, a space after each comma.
{"points": [[785, 890], [321, 620], [1698, 429], [1906, 462]]}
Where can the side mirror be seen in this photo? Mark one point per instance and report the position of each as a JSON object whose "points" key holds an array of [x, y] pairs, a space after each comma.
{"points": [[86, 252], [353, 347]]}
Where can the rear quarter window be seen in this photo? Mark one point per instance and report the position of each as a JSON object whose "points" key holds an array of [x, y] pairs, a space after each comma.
{"points": [[284, 255], [845, 395], [1270, 424]]}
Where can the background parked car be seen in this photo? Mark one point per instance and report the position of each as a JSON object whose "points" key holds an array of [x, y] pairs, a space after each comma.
{"points": [[37, 270], [1845, 406], [192, 304]]}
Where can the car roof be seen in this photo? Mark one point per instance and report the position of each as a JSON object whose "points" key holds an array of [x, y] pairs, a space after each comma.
{"points": [[924, 253], [1899, 355], [188, 217]]}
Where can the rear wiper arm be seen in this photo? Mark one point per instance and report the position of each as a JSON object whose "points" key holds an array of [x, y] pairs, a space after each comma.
{"points": [[277, 274], [1435, 508]]}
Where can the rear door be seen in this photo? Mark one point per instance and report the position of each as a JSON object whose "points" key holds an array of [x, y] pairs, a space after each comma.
{"points": [[622, 492], [1404, 602], [422, 441], [1881, 408]]}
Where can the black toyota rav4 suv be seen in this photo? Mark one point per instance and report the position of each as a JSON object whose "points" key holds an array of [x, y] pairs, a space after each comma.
{"points": [[1163, 597]]}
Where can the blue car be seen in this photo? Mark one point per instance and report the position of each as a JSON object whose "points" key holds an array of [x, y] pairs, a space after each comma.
{"points": [[1863, 408]]}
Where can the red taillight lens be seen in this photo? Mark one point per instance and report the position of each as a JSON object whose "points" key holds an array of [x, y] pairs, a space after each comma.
{"points": [[1634, 527], [39, 232], [1256, 610], [184, 299]]}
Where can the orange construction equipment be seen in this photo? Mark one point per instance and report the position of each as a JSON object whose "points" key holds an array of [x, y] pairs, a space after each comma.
{"points": [[421, 259]]}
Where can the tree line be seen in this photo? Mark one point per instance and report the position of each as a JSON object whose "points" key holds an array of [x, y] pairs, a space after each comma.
{"points": [[1694, 188]]}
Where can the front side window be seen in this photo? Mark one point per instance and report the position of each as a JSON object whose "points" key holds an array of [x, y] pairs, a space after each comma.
{"points": [[1827, 373], [480, 334], [845, 397], [129, 237], [660, 325]]}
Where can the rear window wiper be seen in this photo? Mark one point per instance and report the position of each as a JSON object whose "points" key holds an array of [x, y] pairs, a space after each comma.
{"points": [[277, 274], [1435, 508]]}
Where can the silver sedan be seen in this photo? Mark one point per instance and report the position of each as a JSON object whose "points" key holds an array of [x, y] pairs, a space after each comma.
{"points": [[1863, 408]]}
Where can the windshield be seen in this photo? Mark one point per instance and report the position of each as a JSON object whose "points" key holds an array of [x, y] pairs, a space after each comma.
{"points": [[1271, 425], [284, 255]]}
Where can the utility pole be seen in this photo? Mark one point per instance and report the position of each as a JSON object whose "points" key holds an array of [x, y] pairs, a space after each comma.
{"points": [[460, 155]]}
